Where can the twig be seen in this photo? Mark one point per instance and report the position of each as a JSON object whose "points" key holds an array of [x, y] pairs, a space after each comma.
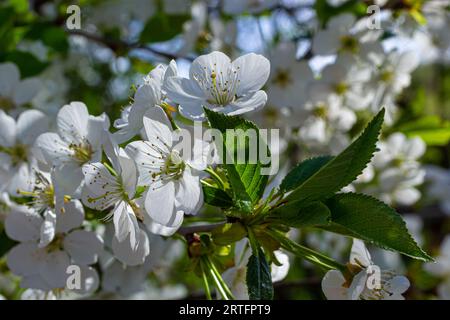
{"points": [[199, 228], [118, 44]]}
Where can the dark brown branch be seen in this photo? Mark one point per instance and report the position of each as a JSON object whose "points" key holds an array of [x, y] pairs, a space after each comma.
{"points": [[199, 228], [115, 45]]}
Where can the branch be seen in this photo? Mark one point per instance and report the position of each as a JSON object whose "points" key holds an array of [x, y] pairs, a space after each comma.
{"points": [[115, 45], [184, 231]]}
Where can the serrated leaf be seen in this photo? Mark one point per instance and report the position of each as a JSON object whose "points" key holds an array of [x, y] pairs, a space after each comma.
{"points": [[369, 219], [341, 170], [259, 278], [216, 197], [245, 179], [302, 172], [315, 213]]}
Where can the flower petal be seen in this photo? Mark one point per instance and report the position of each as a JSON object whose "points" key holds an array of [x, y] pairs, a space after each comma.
{"points": [[129, 255], [71, 218], [23, 224], [26, 90], [9, 78], [160, 203], [7, 130], [253, 71], [83, 246], [30, 125]]}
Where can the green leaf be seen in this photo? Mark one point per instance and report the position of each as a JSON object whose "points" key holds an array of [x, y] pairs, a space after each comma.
{"points": [[5, 243], [312, 214], [369, 219], [216, 197], [53, 37], [245, 179], [259, 278], [341, 170], [431, 129], [303, 171], [162, 27], [326, 11], [27, 63]]}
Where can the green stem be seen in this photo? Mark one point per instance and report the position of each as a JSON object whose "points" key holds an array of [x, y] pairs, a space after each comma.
{"points": [[216, 177], [111, 170], [205, 281], [307, 253], [253, 242], [219, 277]]}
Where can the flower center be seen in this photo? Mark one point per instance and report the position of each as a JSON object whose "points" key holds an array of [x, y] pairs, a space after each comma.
{"points": [[174, 166], [6, 103], [386, 76], [82, 152], [341, 88], [220, 87], [320, 111], [282, 78], [18, 153], [349, 43], [56, 244]]}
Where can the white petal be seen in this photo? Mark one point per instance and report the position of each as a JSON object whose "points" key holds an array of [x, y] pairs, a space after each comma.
{"points": [[83, 246], [157, 127], [71, 218], [30, 125], [333, 286], [167, 230], [358, 285], [54, 267], [206, 64], [48, 229], [100, 187], [129, 173], [280, 272], [25, 258], [253, 72], [9, 78], [398, 285], [325, 43], [72, 122], [67, 179], [26, 90], [146, 159], [129, 255], [125, 224], [23, 225], [37, 283], [189, 197], [193, 111], [245, 104], [160, 203], [55, 151], [97, 128], [7, 130], [359, 254], [184, 91], [89, 281]]}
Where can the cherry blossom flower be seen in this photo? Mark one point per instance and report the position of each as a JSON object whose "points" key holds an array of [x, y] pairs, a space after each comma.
{"points": [[218, 84]]}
